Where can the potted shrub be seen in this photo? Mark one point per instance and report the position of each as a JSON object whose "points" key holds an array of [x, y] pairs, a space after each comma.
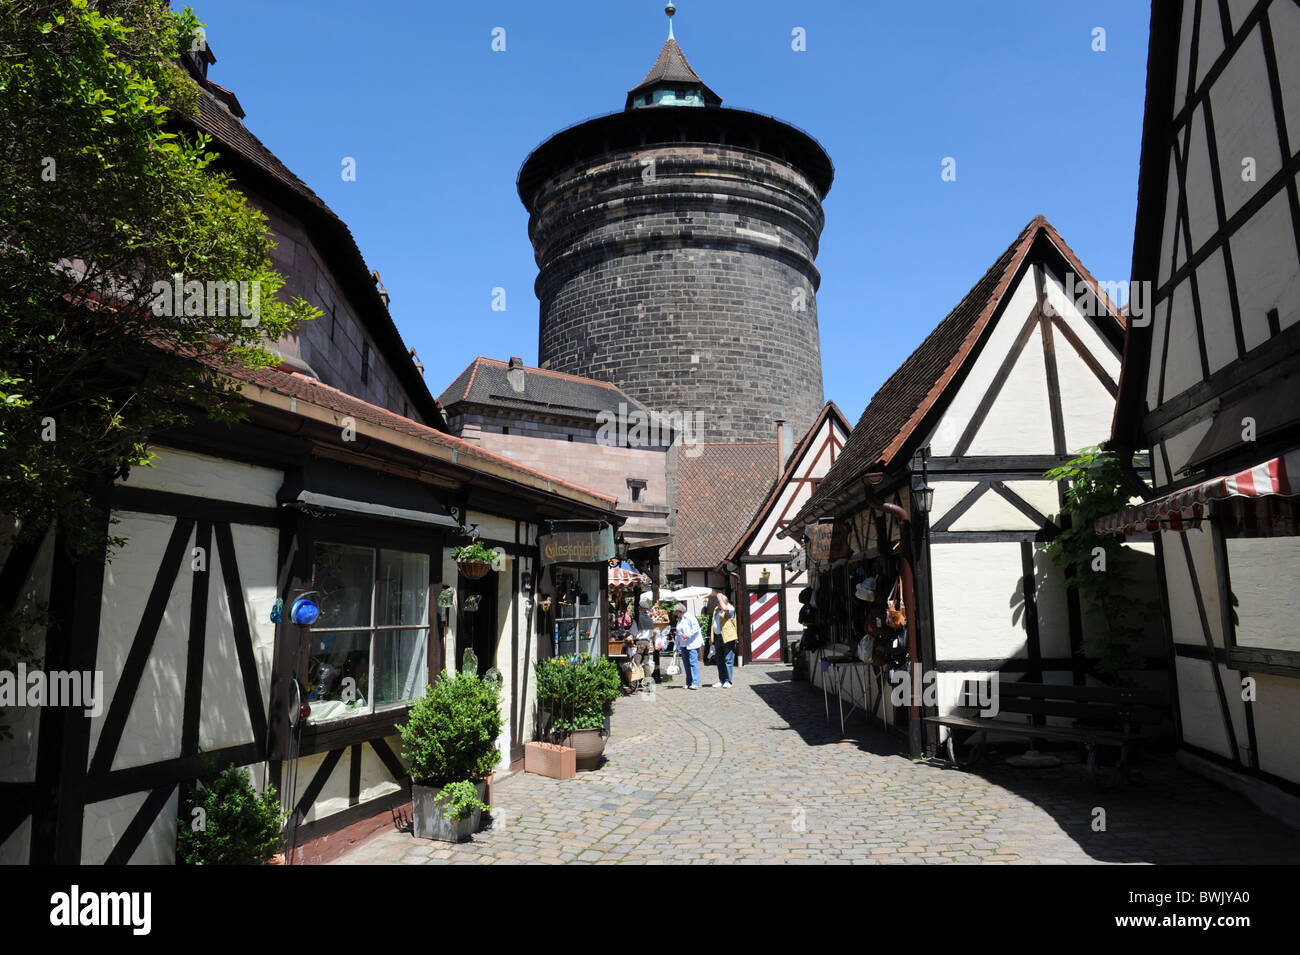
{"points": [[474, 559], [577, 693], [226, 822], [449, 741]]}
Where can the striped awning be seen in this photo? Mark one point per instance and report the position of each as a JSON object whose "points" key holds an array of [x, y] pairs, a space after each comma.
{"points": [[1184, 509], [625, 577]]}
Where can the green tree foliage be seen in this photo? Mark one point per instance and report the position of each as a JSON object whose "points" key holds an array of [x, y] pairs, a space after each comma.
{"points": [[576, 691], [451, 733], [1104, 571], [233, 825], [102, 195]]}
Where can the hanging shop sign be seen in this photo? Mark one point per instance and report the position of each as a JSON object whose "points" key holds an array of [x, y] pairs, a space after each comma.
{"points": [[577, 547]]}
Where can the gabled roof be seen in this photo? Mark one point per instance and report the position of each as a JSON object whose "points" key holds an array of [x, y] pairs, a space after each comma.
{"points": [[257, 167], [672, 67], [487, 382], [434, 444], [1153, 181], [830, 410], [718, 491], [885, 434]]}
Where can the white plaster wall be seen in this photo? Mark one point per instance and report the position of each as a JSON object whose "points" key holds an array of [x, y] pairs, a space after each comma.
{"points": [[1081, 325], [1264, 258], [978, 601], [1198, 700], [992, 512], [183, 472], [1086, 406], [950, 427], [946, 495], [1209, 46], [1243, 125], [1182, 445], [1042, 495], [1185, 622], [1285, 22], [1182, 360], [104, 823], [1172, 233], [1157, 352], [1216, 306], [1019, 422], [1201, 215], [153, 728], [376, 781], [1277, 725], [1184, 54]]}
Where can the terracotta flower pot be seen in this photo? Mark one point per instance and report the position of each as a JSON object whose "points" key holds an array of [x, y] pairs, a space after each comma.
{"points": [[589, 745], [474, 569]]}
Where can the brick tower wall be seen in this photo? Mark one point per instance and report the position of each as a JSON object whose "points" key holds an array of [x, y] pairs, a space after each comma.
{"points": [[688, 283]]}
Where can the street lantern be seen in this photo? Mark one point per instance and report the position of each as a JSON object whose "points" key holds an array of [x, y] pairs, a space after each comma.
{"points": [[923, 495], [621, 545]]}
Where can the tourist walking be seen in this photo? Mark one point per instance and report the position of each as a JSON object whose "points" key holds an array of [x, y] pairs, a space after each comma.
{"points": [[726, 638], [689, 640]]}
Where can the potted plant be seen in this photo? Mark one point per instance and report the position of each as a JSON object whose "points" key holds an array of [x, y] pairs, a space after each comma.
{"points": [[449, 741], [474, 559], [576, 694], [226, 822]]}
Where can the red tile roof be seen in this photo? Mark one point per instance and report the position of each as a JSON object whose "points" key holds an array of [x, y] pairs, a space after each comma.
{"points": [[718, 492], [896, 411], [293, 384]]}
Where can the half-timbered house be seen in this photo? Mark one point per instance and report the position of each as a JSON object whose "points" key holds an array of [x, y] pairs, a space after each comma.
{"points": [[769, 569], [1209, 383], [340, 482], [1018, 377]]}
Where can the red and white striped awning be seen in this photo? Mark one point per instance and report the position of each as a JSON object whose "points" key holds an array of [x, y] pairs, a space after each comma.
{"points": [[620, 578], [1186, 508]]}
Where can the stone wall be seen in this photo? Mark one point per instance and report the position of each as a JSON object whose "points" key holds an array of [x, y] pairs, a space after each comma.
{"points": [[332, 344], [690, 284]]}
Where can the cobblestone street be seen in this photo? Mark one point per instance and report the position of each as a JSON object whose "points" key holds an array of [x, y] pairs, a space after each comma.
{"points": [[757, 774]]}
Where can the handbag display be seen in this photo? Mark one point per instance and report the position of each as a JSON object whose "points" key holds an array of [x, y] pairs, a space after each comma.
{"points": [[896, 615]]}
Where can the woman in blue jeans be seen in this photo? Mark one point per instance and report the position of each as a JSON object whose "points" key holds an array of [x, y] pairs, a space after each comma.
{"points": [[689, 640]]}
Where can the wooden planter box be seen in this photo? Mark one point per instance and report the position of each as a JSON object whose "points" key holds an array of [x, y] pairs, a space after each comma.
{"points": [[550, 759]]}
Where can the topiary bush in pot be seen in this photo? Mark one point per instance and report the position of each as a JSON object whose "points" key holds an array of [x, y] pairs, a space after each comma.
{"points": [[450, 736]]}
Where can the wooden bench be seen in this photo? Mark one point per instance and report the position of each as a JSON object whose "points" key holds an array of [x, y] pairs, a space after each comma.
{"points": [[1101, 715]]}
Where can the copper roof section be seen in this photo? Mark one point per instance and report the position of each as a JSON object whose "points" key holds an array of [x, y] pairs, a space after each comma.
{"points": [[672, 67]]}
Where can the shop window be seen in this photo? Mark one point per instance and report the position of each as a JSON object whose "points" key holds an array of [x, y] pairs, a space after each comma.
{"points": [[1261, 549], [578, 613], [369, 647]]}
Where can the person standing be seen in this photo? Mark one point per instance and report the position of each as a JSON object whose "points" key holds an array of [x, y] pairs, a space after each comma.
{"points": [[726, 638], [689, 640]]}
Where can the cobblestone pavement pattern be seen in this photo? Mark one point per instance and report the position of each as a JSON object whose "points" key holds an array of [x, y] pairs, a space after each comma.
{"points": [[756, 773]]}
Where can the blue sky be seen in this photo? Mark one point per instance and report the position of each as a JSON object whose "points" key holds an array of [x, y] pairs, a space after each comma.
{"points": [[439, 124]]}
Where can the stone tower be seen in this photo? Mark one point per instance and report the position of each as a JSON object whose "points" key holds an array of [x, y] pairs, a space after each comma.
{"points": [[675, 242]]}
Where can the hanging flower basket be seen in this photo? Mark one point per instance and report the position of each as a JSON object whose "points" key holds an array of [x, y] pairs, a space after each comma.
{"points": [[474, 560]]}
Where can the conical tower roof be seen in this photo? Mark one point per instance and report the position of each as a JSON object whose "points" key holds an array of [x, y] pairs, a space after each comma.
{"points": [[671, 70]]}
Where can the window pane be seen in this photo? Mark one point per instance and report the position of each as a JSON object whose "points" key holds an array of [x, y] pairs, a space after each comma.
{"points": [[401, 665], [344, 577], [403, 589], [1262, 573], [338, 675]]}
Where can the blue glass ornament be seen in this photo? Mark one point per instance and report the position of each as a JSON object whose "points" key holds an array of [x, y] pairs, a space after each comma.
{"points": [[304, 611], [277, 611]]}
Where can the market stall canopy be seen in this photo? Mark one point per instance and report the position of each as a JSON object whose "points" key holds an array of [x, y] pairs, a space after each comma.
{"points": [[1185, 508], [623, 576]]}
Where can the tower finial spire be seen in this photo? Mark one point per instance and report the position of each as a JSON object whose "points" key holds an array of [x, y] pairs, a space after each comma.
{"points": [[670, 10]]}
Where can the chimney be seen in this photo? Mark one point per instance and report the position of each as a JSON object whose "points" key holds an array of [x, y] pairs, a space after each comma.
{"points": [[515, 374], [780, 446], [383, 292]]}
